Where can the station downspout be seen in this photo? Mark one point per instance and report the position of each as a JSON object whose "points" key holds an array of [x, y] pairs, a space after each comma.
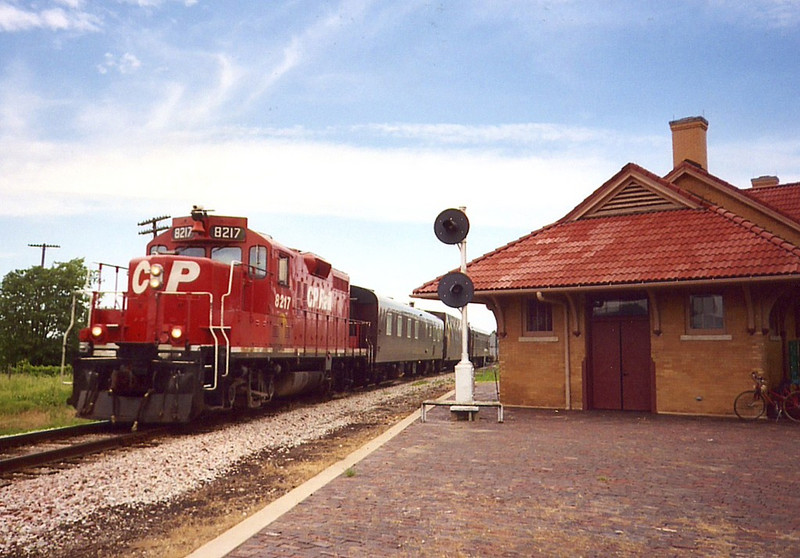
{"points": [[567, 390]]}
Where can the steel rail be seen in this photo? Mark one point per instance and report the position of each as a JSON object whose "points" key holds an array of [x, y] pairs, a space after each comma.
{"points": [[16, 440], [36, 459]]}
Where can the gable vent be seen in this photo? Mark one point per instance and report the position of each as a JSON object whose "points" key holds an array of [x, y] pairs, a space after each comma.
{"points": [[634, 198]]}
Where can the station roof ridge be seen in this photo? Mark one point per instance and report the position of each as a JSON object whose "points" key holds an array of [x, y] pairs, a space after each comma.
{"points": [[692, 239], [763, 196], [782, 198]]}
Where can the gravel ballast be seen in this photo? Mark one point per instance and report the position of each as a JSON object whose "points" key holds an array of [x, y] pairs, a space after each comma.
{"points": [[34, 510]]}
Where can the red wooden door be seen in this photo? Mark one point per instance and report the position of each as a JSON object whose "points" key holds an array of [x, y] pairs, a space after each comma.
{"points": [[620, 374]]}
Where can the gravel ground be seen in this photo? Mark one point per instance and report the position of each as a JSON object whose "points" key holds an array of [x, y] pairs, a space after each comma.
{"points": [[36, 513]]}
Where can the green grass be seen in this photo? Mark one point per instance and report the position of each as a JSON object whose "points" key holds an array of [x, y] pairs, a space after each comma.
{"points": [[30, 402], [487, 374]]}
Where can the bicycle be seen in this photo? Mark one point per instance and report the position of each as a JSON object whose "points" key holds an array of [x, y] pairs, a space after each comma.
{"points": [[752, 404]]}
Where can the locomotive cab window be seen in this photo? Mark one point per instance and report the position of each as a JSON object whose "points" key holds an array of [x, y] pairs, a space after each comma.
{"points": [[158, 249], [258, 262], [283, 270], [191, 251], [226, 254]]}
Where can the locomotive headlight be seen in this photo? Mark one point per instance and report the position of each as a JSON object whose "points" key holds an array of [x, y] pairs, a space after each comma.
{"points": [[176, 333], [98, 332], [156, 276]]}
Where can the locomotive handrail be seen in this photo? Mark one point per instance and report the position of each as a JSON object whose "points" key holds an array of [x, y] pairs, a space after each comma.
{"points": [[213, 386], [233, 264]]}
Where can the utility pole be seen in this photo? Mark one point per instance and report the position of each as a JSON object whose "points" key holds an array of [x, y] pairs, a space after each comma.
{"points": [[155, 228], [44, 247]]}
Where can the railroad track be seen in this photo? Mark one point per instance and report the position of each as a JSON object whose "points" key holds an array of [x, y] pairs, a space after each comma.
{"points": [[36, 449]]}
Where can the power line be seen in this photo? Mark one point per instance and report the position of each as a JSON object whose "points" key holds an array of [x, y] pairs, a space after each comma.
{"points": [[155, 228], [44, 247]]}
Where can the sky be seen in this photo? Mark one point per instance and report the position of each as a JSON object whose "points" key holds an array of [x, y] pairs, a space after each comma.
{"points": [[344, 127]]}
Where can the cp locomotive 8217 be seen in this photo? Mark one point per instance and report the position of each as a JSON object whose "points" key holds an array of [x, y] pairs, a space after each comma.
{"points": [[217, 315]]}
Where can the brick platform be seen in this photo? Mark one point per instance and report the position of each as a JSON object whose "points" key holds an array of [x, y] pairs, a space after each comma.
{"points": [[557, 484]]}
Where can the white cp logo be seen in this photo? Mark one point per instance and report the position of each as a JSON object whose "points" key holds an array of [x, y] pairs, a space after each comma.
{"points": [[183, 271]]}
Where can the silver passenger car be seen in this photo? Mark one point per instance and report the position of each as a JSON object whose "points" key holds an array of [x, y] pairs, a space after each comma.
{"points": [[403, 340]]}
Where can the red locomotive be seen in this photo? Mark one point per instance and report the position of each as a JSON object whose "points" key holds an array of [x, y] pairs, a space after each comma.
{"points": [[219, 316]]}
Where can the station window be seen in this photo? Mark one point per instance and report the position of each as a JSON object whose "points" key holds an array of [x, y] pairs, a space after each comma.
{"points": [[538, 317], [706, 313], [283, 270], [258, 262]]}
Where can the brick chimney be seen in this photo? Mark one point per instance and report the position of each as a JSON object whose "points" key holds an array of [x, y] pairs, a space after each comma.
{"points": [[764, 181], [689, 141]]}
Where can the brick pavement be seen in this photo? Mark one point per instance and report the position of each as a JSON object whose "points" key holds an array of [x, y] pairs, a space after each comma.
{"points": [[548, 483]]}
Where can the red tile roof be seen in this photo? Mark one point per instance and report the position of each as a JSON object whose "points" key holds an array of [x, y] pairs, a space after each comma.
{"points": [[709, 243], [785, 198]]}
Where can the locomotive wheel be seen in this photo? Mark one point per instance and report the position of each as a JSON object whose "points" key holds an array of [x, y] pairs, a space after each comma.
{"points": [[260, 389], [270, 391], [230, 396]]}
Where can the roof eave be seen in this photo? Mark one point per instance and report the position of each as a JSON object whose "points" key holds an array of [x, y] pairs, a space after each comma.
{"points": [[485, 295]]}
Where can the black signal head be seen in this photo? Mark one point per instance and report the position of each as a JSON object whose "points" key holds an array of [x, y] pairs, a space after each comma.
{"points": [[451, 226], [456, 289]]}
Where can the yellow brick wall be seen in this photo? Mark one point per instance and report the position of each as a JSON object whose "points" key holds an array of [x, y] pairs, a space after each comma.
{"points": [[702, 376], [693, 375], [532, 372]]}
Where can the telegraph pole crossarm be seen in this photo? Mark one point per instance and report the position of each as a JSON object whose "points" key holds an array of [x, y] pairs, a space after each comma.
{"points": [[44, 246], [154, 228]]}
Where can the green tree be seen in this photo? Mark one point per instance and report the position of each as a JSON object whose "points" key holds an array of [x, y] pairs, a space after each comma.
{"points": [[35, 312]]}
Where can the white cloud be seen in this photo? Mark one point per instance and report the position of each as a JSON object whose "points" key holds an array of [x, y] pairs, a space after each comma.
{"points": [[125, 64], [316, 38], [14, 19], [296, 177]]}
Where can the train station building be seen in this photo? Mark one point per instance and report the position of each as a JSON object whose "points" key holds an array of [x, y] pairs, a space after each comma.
{"points": [[655, 294]]}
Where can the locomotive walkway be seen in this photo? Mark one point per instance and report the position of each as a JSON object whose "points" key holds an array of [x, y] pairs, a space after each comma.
{"points": [[547, 483]]}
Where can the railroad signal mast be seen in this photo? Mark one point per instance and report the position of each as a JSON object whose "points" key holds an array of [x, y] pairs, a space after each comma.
{"points": [[456, 291]]}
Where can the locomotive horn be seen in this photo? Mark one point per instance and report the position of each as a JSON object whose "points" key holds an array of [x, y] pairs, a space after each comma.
{"points": [[456, 289], [451, 226]]}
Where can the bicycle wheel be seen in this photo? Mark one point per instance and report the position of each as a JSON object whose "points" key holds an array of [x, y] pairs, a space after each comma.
{"points": [[791, 406], [749, 405]]}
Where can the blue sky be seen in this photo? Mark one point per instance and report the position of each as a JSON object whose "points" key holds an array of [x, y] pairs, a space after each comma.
{"points": [[344, 127]]}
